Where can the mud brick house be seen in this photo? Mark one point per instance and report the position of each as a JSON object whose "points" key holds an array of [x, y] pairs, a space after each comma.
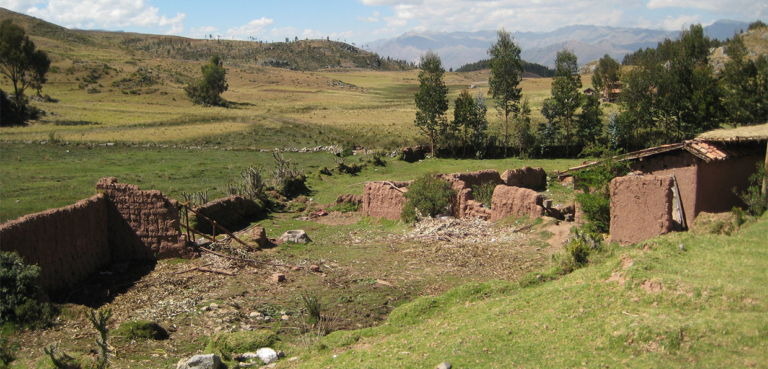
{"points": [[671, 184]]}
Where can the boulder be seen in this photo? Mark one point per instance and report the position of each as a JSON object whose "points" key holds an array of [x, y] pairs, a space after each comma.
{"points": [[295, 236], [515, 201], [267, 355], [349, 198], [526, 177], [209, 361]]}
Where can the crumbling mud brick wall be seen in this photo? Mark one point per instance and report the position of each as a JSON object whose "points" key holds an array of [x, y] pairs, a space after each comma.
{"points": [[684, 166], [230, 212], [526, 177], [516, 201], [142, 224], [384, 199], [464, 204], [641, 207], [68, 243]]}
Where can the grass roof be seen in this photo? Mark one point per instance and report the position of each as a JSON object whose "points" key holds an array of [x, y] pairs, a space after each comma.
{"points": [[746, 133]]}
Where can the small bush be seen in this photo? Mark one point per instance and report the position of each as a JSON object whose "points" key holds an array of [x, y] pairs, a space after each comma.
{"points": [[142, 330], [756, 201], [429, 195], [19, 293], [312, 305], [595, 201], [484, 193]]}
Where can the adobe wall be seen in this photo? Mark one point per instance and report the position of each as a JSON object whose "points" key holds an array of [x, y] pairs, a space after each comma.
{"points": [[68, 243], [229, 212], [473, 179], [685, 167], [142, 224], [717, 180], [526, 177], [380, 199], [516, 201], [641, 207]]}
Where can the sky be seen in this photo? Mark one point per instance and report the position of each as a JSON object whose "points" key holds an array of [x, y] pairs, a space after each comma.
{"points": [[363, 21]]}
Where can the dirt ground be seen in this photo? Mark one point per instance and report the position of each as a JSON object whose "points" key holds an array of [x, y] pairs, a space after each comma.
{"points": [[364, 270]]}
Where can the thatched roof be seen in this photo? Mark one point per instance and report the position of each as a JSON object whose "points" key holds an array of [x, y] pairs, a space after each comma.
{"points": [[746, 133]]}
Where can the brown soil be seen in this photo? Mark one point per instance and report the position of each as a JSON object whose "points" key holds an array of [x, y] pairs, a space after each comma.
{"points": [[364, 272]]}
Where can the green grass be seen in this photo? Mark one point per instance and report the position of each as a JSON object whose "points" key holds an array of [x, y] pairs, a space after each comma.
{"points": [[35, 177], [710, 312]]}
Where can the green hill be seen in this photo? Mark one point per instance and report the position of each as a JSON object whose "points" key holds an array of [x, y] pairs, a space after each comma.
{"points": [[294, 54], [675, 301]]}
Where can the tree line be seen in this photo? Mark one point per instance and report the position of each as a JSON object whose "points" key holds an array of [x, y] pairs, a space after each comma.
{"points": [[534, 68], [670, 94]]}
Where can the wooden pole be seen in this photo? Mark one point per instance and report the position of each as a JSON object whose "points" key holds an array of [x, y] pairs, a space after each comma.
{"points": [[216, 225], [765, 178]]}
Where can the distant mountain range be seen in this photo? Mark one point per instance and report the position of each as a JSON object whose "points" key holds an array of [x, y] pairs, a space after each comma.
{"points": [[588, 42]]}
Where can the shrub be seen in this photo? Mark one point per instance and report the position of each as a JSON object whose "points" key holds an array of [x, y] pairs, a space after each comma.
{"points": [[484, 193], [595, 201], [19, 293], [287, 179], [142, 329], [228, 344], [429, 195], [756, 201]]}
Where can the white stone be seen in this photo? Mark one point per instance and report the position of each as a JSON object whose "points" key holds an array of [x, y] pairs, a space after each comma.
{"points": [[267, 355]]}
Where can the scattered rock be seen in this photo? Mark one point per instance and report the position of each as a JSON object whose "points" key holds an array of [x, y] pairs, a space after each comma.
{"points": [[295, 358], [444, 365], [295, 236], [278, 277], [255, 314], [285, 317], [259, 235], [267, 355], [314, 268], [209, 361]]}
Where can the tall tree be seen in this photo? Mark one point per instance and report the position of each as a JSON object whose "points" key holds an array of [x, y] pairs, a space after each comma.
{"points": [[745, 85], [590, 127], [431, 99], [607, 76], [208, 89], [523, 136], [566, 99], [506, 73], [20, 61], [470, 121]]}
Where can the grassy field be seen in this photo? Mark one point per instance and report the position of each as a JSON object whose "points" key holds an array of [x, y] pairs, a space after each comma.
{"points": [[35, 177], [651, 305]]}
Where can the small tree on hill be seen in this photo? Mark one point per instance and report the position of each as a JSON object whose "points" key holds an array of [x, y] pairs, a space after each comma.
{"points": [[432, 99], [20, 61], [208, 89]]}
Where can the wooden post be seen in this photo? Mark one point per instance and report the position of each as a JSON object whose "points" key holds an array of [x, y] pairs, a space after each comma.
{"points": [[186, 218], [765, 179]]}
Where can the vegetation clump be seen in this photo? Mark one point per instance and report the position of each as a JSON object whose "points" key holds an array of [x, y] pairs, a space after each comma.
{"points": [[141, 329], [227, 345], [428, 196], [19, 293]]}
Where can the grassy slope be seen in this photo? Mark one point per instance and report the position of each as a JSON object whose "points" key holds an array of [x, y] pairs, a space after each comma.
{"points": [[709, 312]]}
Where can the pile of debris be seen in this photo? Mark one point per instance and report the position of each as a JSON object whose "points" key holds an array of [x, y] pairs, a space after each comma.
{"points": [[465, 230]]}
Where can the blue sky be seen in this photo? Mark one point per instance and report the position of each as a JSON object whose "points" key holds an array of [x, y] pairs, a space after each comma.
{"points": [[362, 21]]}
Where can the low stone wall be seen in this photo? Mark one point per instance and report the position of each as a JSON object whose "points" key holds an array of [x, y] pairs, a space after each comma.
{"points": [[515, 201], [68, 243], [641, 208], [230, 212], [384, 199], [142, 224], [526, 177]]}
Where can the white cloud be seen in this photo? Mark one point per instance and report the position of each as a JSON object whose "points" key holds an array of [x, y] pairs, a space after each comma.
{"points": [[752, 8], [18, 5], [202, 32], [367, 19], [683, 21], [103, 13], [253, 28]]}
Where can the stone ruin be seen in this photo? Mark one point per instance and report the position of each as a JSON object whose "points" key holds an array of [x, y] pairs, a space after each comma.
{"points": [[386, 200], [230, 212], [120, 223], [641, 207]]}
